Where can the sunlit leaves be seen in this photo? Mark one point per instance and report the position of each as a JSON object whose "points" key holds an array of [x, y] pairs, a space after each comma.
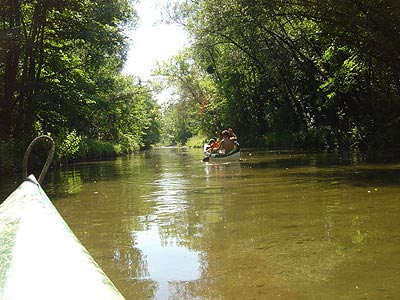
{"points": [[68, 55], [194, 111], [347, 70], [300, 66]]}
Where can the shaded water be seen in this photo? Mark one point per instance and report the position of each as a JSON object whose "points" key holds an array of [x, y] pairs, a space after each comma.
{"points": [[163, 225]]}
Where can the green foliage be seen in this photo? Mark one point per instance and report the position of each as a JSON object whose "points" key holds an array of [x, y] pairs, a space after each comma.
{"points": [[89, 149], [129, 114], [197, 141], [60, 73], [199, 103], [282, 140], [312, 74], [176, 124], [348, 69], [69, 145], [129, 143], [94, 149], [10, 155]]}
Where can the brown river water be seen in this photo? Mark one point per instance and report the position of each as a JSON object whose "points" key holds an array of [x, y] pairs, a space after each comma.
{"points": [[277, 225]]}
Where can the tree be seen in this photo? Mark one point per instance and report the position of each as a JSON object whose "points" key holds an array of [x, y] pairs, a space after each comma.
{"points": [[193, 113], [324, 72], [53, 50]]}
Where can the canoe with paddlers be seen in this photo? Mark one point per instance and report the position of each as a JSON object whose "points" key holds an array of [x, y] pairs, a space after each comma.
{"points": [[233, 155]]}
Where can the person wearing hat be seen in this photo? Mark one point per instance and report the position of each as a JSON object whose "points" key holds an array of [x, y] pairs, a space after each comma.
{"points": [[213, 145]]}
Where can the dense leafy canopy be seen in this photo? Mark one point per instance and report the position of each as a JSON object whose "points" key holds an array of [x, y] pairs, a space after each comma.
{"points": [[309, 73], [60, 65], [281, 73]]}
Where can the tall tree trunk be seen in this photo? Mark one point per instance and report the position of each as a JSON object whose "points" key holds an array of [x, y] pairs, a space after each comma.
{"points": [[12, 22], [29, 80]]}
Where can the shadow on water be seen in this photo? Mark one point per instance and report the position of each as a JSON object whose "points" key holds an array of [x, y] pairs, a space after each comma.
{"points": [[357, 176], [291, 158], [353, 168]]}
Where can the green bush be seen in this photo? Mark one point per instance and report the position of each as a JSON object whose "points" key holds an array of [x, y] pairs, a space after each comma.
{"points": [[316, 138], [88, 149], [68, 146], [280, 140], [128, 143], [10, 157], [93, 149], [12, 153], [196, 141]]}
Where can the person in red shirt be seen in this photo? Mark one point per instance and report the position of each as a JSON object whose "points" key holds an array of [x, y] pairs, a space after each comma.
{"points": [[213, 144]]}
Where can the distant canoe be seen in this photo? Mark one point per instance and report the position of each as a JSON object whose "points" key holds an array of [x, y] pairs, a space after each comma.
{"points": [[40, 257], [233, 155]]}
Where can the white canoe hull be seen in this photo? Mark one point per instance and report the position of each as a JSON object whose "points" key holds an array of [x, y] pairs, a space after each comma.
{"points": [[233, 157], [40, 257]]}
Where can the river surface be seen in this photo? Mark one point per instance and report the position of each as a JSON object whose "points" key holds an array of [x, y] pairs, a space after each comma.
{"points": [[277, 225]]}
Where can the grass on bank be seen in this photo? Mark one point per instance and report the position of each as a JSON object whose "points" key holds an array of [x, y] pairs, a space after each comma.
{"points": [[196, 141], [73, 150]]}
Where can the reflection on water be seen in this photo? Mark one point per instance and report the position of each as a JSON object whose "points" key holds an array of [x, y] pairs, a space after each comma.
{"points": [[222, 170], [169, 196], [163, 225], [168, 264]]}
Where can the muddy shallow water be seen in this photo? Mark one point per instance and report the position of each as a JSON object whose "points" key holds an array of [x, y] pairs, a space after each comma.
{"points": [[164, 225]]}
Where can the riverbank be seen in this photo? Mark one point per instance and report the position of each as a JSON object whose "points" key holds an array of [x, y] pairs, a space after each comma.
{"points": [[12, 152]]}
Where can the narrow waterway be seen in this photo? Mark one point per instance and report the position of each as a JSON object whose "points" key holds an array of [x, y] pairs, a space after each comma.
{"points": [[277, 225]]}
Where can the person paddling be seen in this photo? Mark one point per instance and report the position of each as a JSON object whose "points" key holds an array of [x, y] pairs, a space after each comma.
{"points": [[227, 143], [232, 135]]}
